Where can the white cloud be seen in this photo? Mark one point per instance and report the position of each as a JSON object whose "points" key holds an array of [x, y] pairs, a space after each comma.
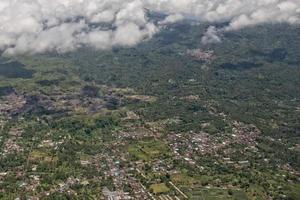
{"points": [[239, 13], [170, 19], [128, 35], [211, 36], [97, 39], [34, 26]]}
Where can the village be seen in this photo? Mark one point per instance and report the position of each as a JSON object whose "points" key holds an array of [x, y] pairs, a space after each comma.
{"points": [[139, 161]]}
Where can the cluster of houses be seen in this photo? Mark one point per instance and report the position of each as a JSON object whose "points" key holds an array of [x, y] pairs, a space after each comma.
{"points": [[11, 145], [186, 146], [245, 134], [191, 145], [137, 133], [201, 55], [11, 103]]}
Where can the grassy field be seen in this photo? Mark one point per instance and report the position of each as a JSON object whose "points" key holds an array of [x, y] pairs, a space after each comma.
{"points": [[183, 179], [218, 194], [148, 150], [159, 188], [295, 193]]}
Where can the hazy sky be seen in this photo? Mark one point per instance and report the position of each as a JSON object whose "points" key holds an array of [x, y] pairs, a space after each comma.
{"points": [[35, 26]]}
